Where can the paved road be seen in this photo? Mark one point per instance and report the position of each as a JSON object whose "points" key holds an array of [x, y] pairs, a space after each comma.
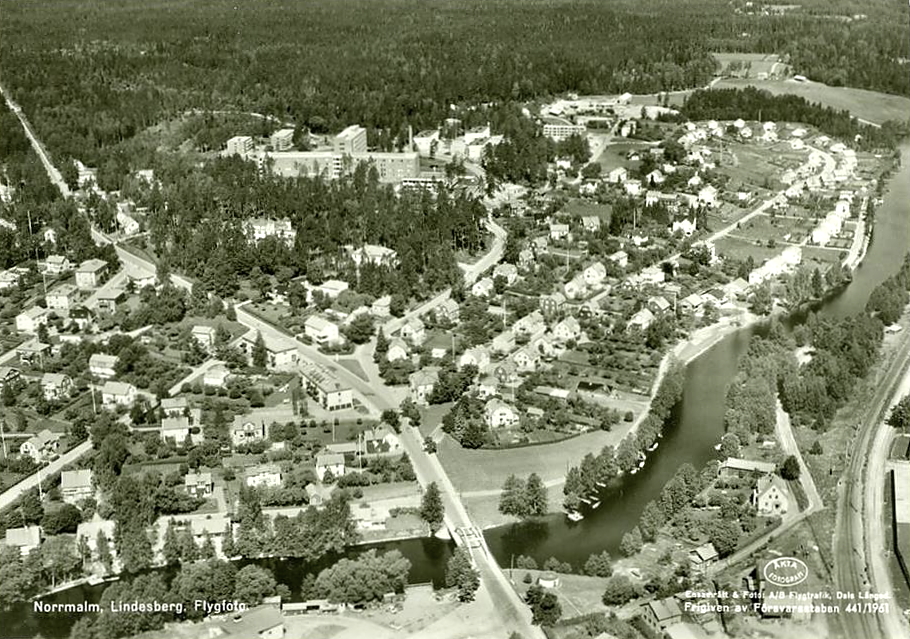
{"points": [[128, 257], [858, 529], [52, 172], [11, 495]]}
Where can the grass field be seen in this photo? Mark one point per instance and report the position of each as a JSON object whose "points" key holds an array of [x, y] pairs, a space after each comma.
{"points": [[738, 249], [614, 155], [867, 105]]}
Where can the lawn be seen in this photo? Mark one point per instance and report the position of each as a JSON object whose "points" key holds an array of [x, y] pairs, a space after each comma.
{"points": [[354, 366], [583, 208], [735, 248], [868, 105], [614, 155]]}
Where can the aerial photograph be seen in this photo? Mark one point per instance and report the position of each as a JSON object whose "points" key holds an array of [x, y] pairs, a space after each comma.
{"points": [[455, 319]]}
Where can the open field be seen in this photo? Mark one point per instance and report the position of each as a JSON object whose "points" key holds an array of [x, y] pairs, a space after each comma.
{"points": [[867, 105], [750, 64], [738, 249], [614, 155]]}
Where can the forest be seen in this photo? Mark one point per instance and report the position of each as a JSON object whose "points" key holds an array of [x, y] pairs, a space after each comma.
{"points": [[93, 75]]}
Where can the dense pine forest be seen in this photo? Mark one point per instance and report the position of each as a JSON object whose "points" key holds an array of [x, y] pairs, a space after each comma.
{"points": [[93, 74]]}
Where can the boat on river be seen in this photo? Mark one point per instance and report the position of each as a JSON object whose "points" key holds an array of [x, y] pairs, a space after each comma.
{"points": [[574, 515]]}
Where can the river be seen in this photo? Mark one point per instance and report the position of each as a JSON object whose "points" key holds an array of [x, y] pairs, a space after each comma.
{"points": [[695, 426], [696, 423]]}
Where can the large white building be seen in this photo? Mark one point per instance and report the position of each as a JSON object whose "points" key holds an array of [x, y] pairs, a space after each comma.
{"points": [[559, 132], [239, 145], [259, 228], [282, 139]]}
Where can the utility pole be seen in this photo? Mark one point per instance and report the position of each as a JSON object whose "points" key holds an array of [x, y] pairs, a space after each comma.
{"points": [[3, 437]]}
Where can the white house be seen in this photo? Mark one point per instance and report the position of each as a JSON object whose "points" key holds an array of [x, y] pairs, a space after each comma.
{"points": [[56, 386], [567, 329], [771, 495], [632, 187], [29, 320], [62, 298], [529, 324], [247, 429], [76, 485], [620, 258], [321, 330], [708, 196], [281, 353], [177, 429], [421, 383], [263, 475], [414, 331], [507, 271], [374, 254], [89, 273], [329, 462], [118, 394], [41, 446], [576, 287], [102, 366], [26, 539], [483, 287], [216, 376], [617, 175], [525, 359], [641, 320], [381, 307], [57, 264], [204, 335], [497, 414], [684, 226], [594, 274], [333, 288], [478, 356], [398, 350], [559, 231], [590, 223]]}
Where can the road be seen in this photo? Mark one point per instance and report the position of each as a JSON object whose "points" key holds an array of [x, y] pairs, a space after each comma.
{"points": [[52, 172], [859, 527], [784, 433], [55, 466], [128, 257]]}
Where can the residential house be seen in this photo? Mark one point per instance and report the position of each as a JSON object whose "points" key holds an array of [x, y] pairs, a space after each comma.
{"points": [[702, 557], [374, 254], [487, 387], [118, 394], [449, 310], [422, 382], [632, 187], [102, 366], [32, 351], [591, 223], [81, 317], [507, 271], [503, 342], [76, 485], [263, 475], [551, 304], [329, 462], [737, 289], [108, 299], [205, 336], [686, 226], [382, 306], [658, 305], [530, 324], [177, 429], [247, 429], [641, 320], [9, 279], [568, 329], [199, 484], [691, 303], [281, 352], [9, 375], [559, 231], [483, 287], [381, 440], [57, 264], [90, 532], [325, 388], [174, 406], [56, 386], [660, 613], [398, 350], [216, 376], [735, 467], [525, 359], [497, 414], [594, 274], [620, 258], [414, 331], [42, 446], [26, 539], [321, 330], [655, 177], [771, 495], [506, 372], [707, 196], [62, 298], [90, 274], [575, 287], [617, 175], [526, 258], [333, 288], [139, 276], [478, 356], [29, 320]]}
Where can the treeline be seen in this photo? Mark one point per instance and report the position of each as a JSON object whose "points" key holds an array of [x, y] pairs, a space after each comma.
{"points": [[750, 103], [196, 222], [584, 479]]}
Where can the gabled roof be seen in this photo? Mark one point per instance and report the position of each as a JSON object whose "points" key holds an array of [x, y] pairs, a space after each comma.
{"points": [[20, 537], [76, 479], [117, 388], [329, 459]]}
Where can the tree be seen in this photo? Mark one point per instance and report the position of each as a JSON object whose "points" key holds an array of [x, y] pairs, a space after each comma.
{"points": [[900, 415], [390, 417], [227, 541], [103, 547], [512, 498], [432, 510], [462, 575], [58, 558], [725, 534], [171, 549], [535, 497], [253, 583], [599, 565], [211, 580], [789, 468], [652, 518], [761, 301], [30, 507], [368, 578], [260, 354], [618, 591], [63, 518], [360, 330], [729, 445], [545, 607], [631, 542], [816, 448]]}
